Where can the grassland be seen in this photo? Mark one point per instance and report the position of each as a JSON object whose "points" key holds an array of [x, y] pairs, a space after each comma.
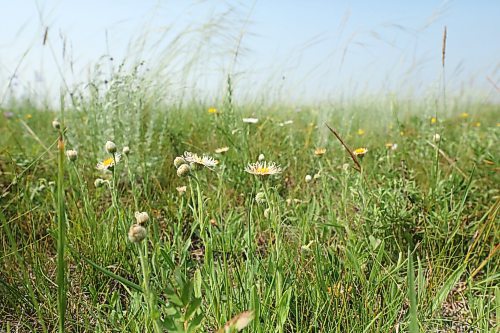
{"points": [[407, 243]]}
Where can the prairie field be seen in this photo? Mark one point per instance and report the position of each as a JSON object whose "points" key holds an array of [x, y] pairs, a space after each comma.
{"points": [[266, 214], [261, 167]]}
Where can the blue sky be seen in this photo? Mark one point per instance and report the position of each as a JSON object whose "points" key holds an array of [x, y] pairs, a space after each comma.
{"points": [[288, 50]]}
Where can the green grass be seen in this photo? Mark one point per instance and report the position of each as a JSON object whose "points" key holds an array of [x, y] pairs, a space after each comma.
{"points": [[397, 246]]}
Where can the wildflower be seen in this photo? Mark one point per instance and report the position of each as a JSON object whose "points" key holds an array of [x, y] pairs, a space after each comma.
{"points": [[391, 146], [237, 323], [29, 116], [464, 115], [141, 217], [212, 110], [221, 150], [126, 150], [136, 233], [360, 152], [110, 147], [260, 198], [183, 170], [178, 161], [436, 137], [72, 155], [477, 124], [250, 120], [56, 124], [109, 163], [261, 157], [361, 131], [263, 169], [433, 120], [319, 151], [205, 161], [308, 178], [181, 189]]}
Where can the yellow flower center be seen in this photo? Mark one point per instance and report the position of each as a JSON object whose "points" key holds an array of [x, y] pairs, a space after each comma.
{"points": [[108, 162], [263, 170]]}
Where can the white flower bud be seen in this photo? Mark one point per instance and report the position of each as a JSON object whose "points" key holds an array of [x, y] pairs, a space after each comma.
{"points": [[72, 155], [110, 147], [260, 198], [183, 170], [141, 217], [137, 233], [56, 124], [178, 161], [308, 178], [126, 150], [261, 157]]}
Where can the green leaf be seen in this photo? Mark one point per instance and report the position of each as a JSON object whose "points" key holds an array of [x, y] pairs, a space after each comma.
{"points": [[412, 295], [195, 323], [447, 287], [187, 291], [193, 306]]}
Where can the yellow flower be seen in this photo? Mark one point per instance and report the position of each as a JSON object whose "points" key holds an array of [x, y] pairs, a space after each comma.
{"points": [[477, 124], [108, 163], [263, 168], [212, 110], [28, 116], [319, 151], [360, 152], [361, 131], [464, 115], [433, 120], [391, 146]]}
